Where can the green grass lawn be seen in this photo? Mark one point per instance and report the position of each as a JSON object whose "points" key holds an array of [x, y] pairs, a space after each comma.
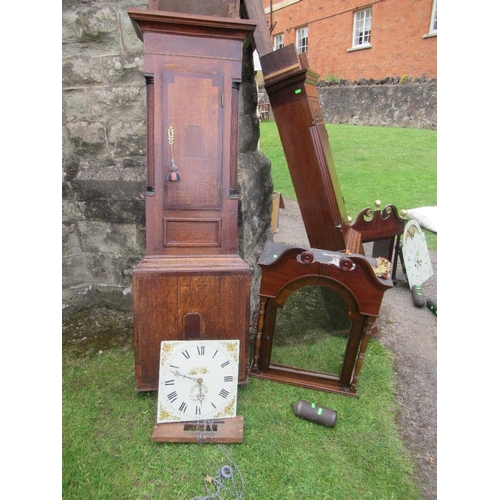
{"points": [[397, 166], [108, 452]]}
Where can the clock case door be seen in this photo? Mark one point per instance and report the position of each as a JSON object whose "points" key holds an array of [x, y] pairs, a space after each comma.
{"points": [[192, 284], [193, 112]]}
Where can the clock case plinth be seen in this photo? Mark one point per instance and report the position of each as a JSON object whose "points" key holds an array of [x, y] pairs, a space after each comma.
{"points": [[192, 284], [188, 298]]}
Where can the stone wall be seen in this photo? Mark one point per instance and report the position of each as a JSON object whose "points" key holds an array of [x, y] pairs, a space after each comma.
{"points": [[391, 102], [104, 163]]}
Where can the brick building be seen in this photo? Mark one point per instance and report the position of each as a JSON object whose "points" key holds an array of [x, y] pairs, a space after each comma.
{"points": [[353, 39]]}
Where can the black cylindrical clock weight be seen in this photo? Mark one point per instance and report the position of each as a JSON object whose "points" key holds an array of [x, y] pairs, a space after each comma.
{"points": [[315, 413]]}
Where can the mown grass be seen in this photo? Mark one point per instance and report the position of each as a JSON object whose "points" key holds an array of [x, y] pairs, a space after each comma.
{"points": [[108, 452], [397, 166]]}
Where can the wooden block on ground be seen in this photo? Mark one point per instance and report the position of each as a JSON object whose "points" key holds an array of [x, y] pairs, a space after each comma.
{"points": [[228, 430]]}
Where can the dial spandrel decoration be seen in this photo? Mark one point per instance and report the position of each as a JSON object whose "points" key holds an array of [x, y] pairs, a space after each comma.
{"points": [[198, 380], [416, 256]]}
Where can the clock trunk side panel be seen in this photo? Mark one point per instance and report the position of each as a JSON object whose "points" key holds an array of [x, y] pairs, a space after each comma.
{"points": [[308, 170], [153, 205], [167, 306]]}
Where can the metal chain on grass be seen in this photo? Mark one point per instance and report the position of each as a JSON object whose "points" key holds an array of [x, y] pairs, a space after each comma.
{"points": [[225, 482]]}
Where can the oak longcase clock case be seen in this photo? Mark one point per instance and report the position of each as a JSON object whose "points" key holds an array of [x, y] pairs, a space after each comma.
{"points": [[191, 284]]}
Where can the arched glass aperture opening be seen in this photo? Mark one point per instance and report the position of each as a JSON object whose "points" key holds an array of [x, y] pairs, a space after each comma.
{"points": [[312, 330]]}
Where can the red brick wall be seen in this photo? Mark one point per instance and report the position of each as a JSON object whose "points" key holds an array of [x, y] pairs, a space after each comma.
{"points": [[398, 47]]}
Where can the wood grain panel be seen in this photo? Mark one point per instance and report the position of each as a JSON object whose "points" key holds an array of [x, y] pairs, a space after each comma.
{"points": [[193, 108], [191, 232], [213, 293]]}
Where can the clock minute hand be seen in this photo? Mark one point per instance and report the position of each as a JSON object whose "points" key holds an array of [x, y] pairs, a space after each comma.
{"points": [[177, 373]]}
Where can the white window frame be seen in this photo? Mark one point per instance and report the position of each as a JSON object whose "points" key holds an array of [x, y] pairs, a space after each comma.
{"points": [[433, 24], [434, 18], [278, 41], [362, 29], [302, 39]]}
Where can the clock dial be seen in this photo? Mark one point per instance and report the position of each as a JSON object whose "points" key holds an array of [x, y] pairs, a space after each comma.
{"points": [[198, 380], [416, 257]]}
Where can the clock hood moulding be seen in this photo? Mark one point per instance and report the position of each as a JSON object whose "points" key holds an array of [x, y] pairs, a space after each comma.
{"points": [[145, 21]]}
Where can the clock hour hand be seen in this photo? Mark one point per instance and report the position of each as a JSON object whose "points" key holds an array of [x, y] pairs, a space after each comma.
{"points": [[177, 373]]}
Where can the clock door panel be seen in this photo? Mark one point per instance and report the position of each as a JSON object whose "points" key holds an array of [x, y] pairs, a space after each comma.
{"points": [[187, 232], [194, 113]]}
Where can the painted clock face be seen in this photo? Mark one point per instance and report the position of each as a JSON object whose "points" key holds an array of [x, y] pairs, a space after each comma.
{"points": [[198, 380], [416, 256]]}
